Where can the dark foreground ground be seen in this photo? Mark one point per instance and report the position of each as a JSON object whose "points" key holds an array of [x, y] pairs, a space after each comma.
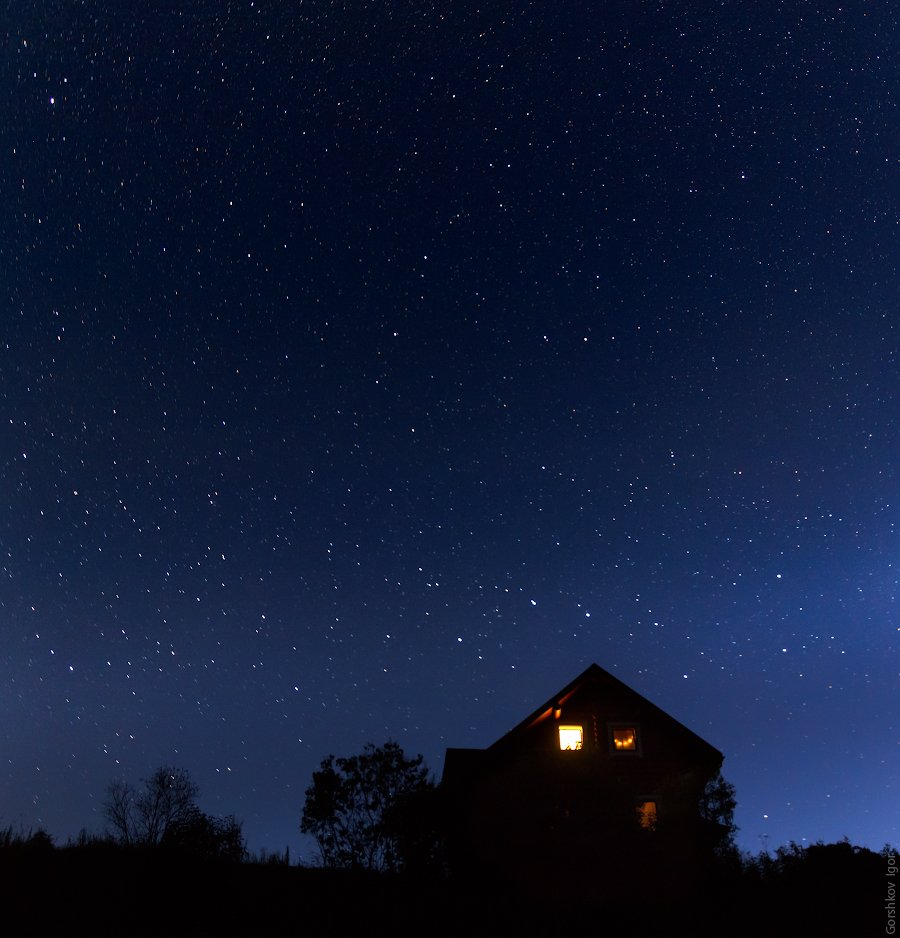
{"points": [[98, 893]]}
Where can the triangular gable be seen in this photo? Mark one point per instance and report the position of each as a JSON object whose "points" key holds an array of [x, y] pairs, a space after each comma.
{"points": [[594, 674]]}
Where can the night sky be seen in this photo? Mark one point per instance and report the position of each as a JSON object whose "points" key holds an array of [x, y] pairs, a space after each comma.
{"points": [[369, 369]]}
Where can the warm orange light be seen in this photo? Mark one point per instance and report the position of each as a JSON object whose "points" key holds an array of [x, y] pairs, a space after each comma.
{"points": [[624, 739], [647, 815], [571, 737]]}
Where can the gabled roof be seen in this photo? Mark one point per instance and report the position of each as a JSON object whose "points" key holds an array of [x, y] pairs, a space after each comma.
{"points": [[462, 765], [595, 675]]}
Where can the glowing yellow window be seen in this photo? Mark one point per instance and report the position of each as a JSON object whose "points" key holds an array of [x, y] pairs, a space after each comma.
{"points": [[571, 737], [624, 739], [647, 815]]}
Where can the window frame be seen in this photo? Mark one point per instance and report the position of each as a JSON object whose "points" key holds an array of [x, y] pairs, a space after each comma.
{"points": [[624, 725], [570, 726]]}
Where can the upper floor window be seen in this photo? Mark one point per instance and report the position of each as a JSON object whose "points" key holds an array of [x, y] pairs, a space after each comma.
{"points": [[571, 737], [624, 739]]}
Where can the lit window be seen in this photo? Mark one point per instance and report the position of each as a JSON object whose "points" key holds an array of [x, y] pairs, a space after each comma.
{"points": [[624, 739], [570, 737], [647, 815]]}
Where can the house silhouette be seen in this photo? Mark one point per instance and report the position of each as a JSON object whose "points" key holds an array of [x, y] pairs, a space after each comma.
{"points": [[593, 796]]}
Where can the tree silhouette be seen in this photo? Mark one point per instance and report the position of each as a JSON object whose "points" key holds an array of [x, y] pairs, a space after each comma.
{"points": [[143, 816], [717, 806], [207, 838], [360, 810]]}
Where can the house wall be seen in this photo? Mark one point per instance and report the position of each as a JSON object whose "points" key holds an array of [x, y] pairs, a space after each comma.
{"points": [[564, 823]]}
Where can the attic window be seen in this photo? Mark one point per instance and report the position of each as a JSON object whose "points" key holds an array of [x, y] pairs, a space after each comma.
{"points": [[571, 737], [646, 812], [624, 739]]}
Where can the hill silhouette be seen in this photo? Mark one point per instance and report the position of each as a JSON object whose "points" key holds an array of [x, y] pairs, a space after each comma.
{"points": [[833, 889]]}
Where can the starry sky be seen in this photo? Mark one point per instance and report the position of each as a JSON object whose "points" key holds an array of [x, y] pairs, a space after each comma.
{"points": [[370, 369]]}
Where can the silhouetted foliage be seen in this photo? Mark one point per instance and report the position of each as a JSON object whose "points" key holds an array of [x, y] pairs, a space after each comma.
{"points": [[152, 892], [35, 840], [846, 880], [818, 862], [143, 816], [87, 841], [364, 811], [265, 857], [417, 822], [206, 838], [717, 807]]}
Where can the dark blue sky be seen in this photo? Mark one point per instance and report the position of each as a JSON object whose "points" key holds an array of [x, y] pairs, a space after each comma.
{"points": [[370, 369]]}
